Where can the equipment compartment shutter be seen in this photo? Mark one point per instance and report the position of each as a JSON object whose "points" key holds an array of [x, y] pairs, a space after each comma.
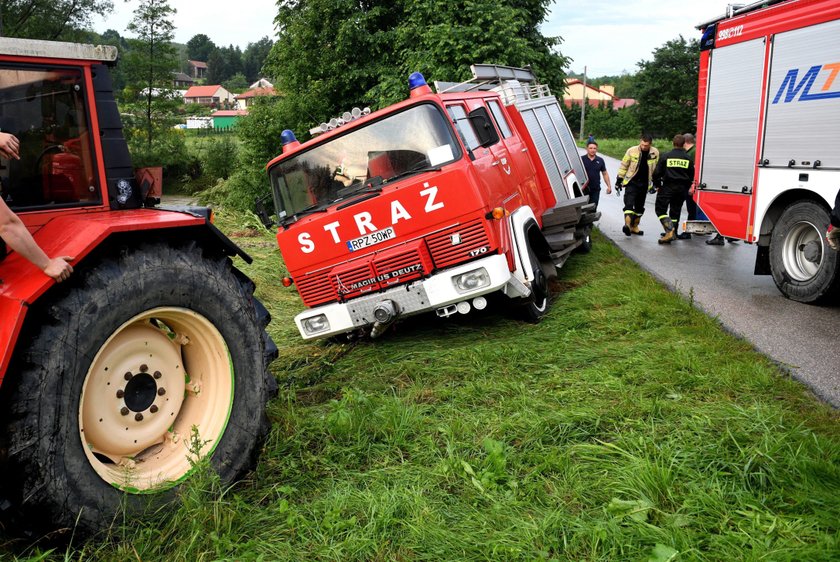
{"points": [[551, 153], [568, 140], [803, 118], [732, 112]]}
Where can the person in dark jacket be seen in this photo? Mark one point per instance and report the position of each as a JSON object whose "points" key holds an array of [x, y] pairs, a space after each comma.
{"points": [[673, 176], [833, 233]]}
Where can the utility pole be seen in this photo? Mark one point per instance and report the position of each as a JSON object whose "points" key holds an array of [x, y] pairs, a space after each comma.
{"points": [[583, 104]]}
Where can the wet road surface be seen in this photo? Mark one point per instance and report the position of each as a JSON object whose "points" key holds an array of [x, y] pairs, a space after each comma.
{"points": [[802, 338]]}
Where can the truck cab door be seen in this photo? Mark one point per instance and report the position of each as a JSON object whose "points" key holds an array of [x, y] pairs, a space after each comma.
{"points": [[482, 158], [513, 159]]}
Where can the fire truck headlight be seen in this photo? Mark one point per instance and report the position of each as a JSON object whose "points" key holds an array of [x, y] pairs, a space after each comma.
{"points": [[315, 324], [471, 280]]}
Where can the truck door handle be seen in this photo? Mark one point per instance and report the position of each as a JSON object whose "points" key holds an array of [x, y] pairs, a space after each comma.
{"points": [[525, 149], [496, 163]]}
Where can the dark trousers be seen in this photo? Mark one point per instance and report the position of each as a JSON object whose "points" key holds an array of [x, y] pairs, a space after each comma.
{"points": [[595, 196], [634, 200], [690, 205], [669, 202]]}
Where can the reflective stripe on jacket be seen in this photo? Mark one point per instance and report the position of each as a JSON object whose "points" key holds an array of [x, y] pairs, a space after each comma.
{"points": [[630, 163]]}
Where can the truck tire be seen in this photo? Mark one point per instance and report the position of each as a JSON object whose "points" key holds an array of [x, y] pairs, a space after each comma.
{"points": [[585, 240], [804, 268], [536, 307], [135, 367]]}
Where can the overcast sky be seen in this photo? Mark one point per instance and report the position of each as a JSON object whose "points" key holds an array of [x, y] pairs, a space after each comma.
{"points": [[607, 36]]}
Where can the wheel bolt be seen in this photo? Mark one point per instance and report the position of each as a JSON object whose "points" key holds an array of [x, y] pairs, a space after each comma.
{"points": [[124, 411], [153, 409], [144, 368], [161, 391], [120, 393], [157, 374], [138, 417], [128, 376]]}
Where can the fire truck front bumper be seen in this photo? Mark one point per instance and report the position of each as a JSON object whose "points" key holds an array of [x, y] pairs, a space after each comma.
{"points": [[448, 291]]}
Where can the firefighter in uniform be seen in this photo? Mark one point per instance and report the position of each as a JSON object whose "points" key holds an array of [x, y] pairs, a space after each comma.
{"points": [[673, 177], [635, 174]]}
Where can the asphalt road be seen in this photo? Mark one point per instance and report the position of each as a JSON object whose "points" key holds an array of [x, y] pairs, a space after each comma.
{"points": [[803, 339]]}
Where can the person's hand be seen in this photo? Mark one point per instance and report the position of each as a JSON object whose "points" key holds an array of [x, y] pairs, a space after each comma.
{"points": [[9, 146], [609, 189], [618, 186], [59, 269], [832, 235], [652, 188]]}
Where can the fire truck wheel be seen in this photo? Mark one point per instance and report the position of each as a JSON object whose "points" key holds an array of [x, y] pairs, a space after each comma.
{"points": [[585, 240], [804, 268], [137, 368], [537, 305]]}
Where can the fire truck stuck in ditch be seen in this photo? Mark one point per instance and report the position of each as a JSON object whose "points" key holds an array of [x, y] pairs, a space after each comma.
{"points": [[431, 204]]}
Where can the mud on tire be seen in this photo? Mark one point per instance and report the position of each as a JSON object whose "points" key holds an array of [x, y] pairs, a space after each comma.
{"points": [[90, 429]]}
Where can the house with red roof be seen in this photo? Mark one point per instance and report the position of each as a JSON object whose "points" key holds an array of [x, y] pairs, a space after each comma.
{"points": [[575, 93], [246, 99], [212, 96]]}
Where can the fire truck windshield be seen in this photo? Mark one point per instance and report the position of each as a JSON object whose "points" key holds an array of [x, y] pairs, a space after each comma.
{"points": [[363, 160]]}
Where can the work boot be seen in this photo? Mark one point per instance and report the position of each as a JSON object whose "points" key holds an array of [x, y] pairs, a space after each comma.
{"points": [[670, 231], [716, 241], [684, 236], [628, 222], [634, 226]]}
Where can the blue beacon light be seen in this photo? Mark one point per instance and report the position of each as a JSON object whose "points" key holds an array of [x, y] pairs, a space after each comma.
{"points": [[417, 85], [288, 140]]}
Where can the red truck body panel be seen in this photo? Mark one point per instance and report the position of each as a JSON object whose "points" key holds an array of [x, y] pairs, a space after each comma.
{"points": [[65, 234]]}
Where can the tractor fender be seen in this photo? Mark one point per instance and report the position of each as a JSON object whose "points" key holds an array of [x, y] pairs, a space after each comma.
{"points": [[78, 235]]}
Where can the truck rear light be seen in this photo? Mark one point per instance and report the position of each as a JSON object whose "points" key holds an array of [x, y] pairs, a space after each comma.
{"points": [[287, 281], [471, 280], [315, 324]]}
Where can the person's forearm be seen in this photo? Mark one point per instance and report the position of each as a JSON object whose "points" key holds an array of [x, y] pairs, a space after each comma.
{"points": [[20, 240]]}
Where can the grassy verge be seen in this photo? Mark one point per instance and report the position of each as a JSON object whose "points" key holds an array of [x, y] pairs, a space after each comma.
{"points": [[617, 147], [626, 426]]}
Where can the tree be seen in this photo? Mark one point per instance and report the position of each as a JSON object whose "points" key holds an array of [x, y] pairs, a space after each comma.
{"points": [[254, 57], [236, 83], [200, 47], [666, 88], [53, 19], [333, 54], [153, 60]]}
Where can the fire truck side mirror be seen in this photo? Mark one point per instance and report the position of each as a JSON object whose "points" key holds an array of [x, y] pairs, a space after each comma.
{"points": [[484, 129], [262, 213]]}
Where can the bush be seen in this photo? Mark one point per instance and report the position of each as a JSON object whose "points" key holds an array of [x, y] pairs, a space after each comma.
{"points": [[219, 157]]}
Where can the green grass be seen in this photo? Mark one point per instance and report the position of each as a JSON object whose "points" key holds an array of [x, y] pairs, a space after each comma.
{"points": [[626, 426], [617, 147]]}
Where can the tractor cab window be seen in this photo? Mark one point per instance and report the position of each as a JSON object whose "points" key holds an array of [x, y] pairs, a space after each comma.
{"points": [[44, 108]]}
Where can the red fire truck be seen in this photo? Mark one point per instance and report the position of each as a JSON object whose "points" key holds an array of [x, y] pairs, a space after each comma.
{"points": [[431, 204], [768, 150]]}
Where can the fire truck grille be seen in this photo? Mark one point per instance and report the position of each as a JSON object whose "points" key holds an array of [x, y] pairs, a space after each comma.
{"points": [[404, 265], [352, 281], [315, 289], [459, 243]]}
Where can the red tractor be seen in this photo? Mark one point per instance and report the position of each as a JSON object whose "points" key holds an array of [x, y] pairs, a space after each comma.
{"points": [[153, 353]]}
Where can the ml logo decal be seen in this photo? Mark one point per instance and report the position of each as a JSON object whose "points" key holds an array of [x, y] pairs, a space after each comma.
{"points": [[790, 88]]}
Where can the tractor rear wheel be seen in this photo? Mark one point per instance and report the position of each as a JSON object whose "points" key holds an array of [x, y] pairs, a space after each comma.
{"points": [[139, 366]]}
